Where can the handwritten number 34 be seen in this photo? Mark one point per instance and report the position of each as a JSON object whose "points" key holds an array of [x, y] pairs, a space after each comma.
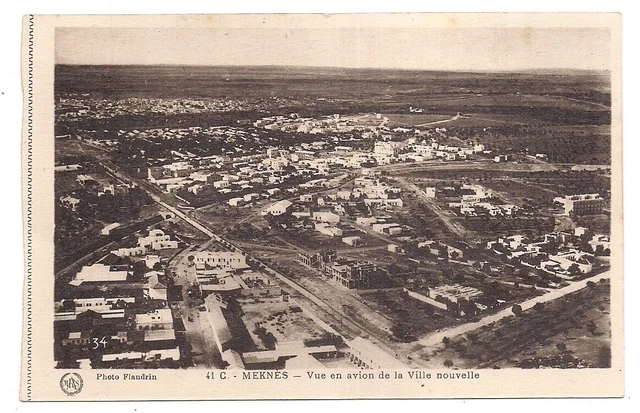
{"points": [[97, 342]]}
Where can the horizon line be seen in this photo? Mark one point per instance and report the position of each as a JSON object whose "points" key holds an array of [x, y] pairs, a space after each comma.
{"points": [[518, 70]]}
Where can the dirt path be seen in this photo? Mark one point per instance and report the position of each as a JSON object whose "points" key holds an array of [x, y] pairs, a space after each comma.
{"points": [[453, 226]]}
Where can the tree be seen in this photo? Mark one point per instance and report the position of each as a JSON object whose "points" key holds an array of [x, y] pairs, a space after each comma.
{"points": [[538, 306], [404, 331], [448, 363], [394, 269], [68, 305], [446, 341], [574, 269], [270, 341], [517, 310], [139, 268]]}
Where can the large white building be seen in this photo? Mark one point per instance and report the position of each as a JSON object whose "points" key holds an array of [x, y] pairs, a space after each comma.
{"points": [[584, 204], [223, 259], [100, 304], [99, 273]]}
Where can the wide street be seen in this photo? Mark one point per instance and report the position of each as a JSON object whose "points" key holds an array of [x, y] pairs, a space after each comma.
{"points": [[199, 332]]}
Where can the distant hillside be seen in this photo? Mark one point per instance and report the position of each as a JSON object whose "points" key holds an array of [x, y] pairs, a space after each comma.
{"points": [[337, 83]]}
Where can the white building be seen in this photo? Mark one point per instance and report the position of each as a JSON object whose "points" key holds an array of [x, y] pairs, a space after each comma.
{"points": [[107, 230], [99, 273], [157, 319], [326, 229], [424, 150], [100, 304], [394, 248], [200, 176], [600, 240], [157, 240], [568, 259], [179, 169], [154, 289], [354, 241], [71, 203], [386, 149], [329, 217], [129, 252], [152, 355], [393, 202], [222, 184], [584, 204], [279, 208], [236, 202], [430, 191], [251, 197], [224, 259]]}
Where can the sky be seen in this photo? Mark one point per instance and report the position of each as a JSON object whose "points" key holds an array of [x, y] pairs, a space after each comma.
{"points": [[476, 49]]}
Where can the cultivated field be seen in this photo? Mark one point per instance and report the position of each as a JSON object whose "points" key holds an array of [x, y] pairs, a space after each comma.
{"points": [[573, 327]]}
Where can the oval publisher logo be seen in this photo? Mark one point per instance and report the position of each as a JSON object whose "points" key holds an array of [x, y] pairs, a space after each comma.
{"points": [[71, 384]]}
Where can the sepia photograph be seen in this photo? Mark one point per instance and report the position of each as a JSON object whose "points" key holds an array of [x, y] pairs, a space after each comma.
{"points": [[280, 197]]}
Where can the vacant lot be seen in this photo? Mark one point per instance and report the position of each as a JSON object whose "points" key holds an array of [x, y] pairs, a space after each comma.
{"points": [[221, 217], [278, 319], [483, 120]]}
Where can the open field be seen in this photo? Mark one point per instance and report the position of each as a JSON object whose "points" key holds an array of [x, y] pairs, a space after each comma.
{"points": [[575, 326], [570, 182], [576, 97], [414, 119]]}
